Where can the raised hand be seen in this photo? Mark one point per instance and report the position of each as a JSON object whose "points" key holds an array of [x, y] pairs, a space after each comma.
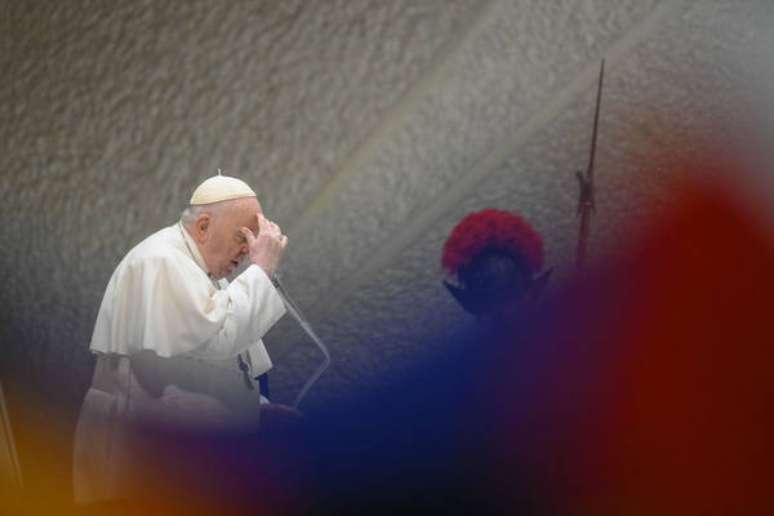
{"points": [[266, 249]]}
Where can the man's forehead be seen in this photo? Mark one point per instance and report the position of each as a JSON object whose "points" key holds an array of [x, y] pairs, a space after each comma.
{"points": [[250, 221], [250, 204], [247, 209], [251, 224]]}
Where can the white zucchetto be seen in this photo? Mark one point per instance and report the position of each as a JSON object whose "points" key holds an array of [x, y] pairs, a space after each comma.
{"points": [[220, 188]]}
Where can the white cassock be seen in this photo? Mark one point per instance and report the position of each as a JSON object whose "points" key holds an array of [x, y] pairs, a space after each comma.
{"points": [[168, 341]]}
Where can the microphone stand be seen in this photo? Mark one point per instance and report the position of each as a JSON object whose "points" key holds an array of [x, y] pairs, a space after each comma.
{"points": [[295, 312]]}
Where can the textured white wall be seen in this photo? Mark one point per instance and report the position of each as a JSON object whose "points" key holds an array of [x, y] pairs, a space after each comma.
{"points": [[506, 124], [368, 128], [113, 112]]}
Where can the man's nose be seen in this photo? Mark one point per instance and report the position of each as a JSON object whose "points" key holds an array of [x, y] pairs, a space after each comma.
{"points": [[243, 250]]}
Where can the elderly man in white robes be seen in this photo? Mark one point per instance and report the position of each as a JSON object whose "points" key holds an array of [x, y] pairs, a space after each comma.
{"points": [[177, 345]]}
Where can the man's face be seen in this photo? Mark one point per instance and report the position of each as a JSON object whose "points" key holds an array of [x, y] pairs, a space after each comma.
{"points": [[225, 245]]}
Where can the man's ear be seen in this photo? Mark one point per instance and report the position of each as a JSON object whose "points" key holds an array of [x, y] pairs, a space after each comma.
{"points": [[202, 227], [539, 285]]}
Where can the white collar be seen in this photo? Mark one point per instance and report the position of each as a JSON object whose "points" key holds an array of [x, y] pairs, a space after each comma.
{"points": [[192, 248]]}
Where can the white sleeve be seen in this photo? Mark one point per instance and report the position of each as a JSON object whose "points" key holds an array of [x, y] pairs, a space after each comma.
{"points": [[253, 306], [164, 306]]}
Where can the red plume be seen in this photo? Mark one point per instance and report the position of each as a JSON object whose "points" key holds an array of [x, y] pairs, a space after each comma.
{"points": [[492, 230]]}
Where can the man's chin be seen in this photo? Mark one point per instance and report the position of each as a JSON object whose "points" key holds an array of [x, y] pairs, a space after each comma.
{"points": [[231, 271], [221, 274]]}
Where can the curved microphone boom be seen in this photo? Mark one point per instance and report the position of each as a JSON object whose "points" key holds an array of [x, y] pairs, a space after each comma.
{"points": [[298, 316]]}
